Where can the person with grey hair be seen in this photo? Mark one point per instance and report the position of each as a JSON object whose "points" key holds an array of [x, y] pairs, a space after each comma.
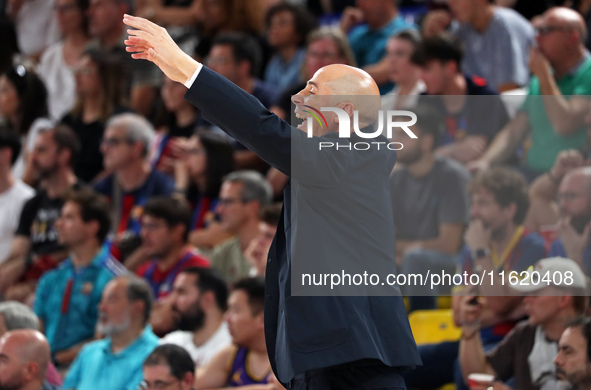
{"points": [[133, 181], [115, 362], [15, 316], [242, 195]]}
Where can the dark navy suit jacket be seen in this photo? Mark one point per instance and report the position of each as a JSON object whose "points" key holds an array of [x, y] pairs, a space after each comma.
{"points": [[336, 206]]}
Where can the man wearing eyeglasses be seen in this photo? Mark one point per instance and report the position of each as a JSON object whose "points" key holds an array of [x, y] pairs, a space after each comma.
{"points": [[242, 195], [168, 367], [562, 68], [574, 227]]}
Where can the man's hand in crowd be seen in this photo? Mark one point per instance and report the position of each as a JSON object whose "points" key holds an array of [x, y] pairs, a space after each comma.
{"points": [[153, 43], [573, 241], [351, 17], [435, 23], [567, 160], [538, 64], [477, 236]]}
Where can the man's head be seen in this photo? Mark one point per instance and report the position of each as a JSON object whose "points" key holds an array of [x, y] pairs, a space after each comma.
{"points": [[341, 86], [105, 16], [126, 303], [573, 361], [428, 130], [466, 11], [235, 56], [574, 197], [242, 195], [245, 311], [399, 50], [287, 25], [85, 217], [24, 357], [561, 34], [196, 293], [10, 148], [563, 297], [126, 141], [375, 12], [14, 315], [499, 199], [439, 59], [165, 226], [168, 367], [55, 150], [327, 46]]}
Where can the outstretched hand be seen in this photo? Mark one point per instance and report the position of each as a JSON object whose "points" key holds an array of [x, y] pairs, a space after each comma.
{"points": [[152, 42]]}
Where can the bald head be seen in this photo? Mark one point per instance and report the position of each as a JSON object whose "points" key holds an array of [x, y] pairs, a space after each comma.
{"points": [[27, 346], [566, 17], [581, 176], [348, 80]]}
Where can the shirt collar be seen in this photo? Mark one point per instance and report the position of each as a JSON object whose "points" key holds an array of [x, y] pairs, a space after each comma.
{"points": [[578, 66], [107, 348]]}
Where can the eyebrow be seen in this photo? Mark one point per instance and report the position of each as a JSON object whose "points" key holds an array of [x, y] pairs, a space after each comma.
{"points": [[313, 83]]}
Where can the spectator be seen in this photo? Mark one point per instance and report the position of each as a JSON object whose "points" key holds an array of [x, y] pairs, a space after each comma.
{"points": [[108, 31], [99, 96], [35, 248], [572, 361], [36, 26], [238, 57], [66, 298], [178, 120], [13, 192], [381, 20], [55, 67], [164, 232], [430, 204], [13, 316], [562, 68], [165, 227], [584, 8], [402, 72], [245, 362], [25, 358], [166, 365], [258, 249], [496, 39], [199, 300], [574, 226], [115, 362], [242, 195], [470, 122], [204, 161], [495, 241], [125, 150], [23, 99], [287, 28], [527, 352]]}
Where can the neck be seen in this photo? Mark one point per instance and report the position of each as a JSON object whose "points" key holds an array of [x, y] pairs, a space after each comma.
{"points": [[483, 19], [82, 255], [113, 37], [213, 321], [33, 385], [201, 182], [59, 183], [456, 86], [565, 65], [185, 116], [246, 83], [172, 257], [423, 166], [248, 232], [75, 38], [501, 240], [133, 175], [258, 346], [553, 328], [122, 340], [406, 86], [385, 18], [91, 110], [287, 52], [6, 180]]}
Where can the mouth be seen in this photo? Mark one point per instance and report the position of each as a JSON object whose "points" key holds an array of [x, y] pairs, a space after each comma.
{"points": [[300, 119]]}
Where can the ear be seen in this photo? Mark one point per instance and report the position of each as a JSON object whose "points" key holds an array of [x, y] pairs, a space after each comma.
{"points": [[188, 379], [207, 299], [93, 226], [31, 371], [511, 210], [64, 156], [178, 231], [244, 67]]}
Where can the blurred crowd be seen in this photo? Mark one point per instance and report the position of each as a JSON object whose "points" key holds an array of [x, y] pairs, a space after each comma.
{"points": [[134, 233]]}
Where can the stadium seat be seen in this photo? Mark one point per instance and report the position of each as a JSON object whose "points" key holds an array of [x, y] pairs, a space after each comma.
{"points": [[433, 326]]}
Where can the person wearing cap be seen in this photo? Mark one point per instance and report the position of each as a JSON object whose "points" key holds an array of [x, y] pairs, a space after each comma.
{"points": [[527, 352]]}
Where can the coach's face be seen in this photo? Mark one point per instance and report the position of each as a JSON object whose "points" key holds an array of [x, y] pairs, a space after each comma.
{"points": [[311, 99]]}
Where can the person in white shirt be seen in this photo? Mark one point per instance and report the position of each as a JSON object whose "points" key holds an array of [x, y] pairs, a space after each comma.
{"points": [[199, 300], [13, 192]]}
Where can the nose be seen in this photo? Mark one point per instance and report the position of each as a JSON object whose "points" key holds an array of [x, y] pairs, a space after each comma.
{"points": [[298, 99]]}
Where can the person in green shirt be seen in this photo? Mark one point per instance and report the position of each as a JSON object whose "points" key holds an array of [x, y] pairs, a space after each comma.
{"points": [[562, 68]]}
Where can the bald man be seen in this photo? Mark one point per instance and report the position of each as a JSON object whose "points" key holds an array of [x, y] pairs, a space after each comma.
{"points": [[562, 68], [24, 357], [336, 217]]}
